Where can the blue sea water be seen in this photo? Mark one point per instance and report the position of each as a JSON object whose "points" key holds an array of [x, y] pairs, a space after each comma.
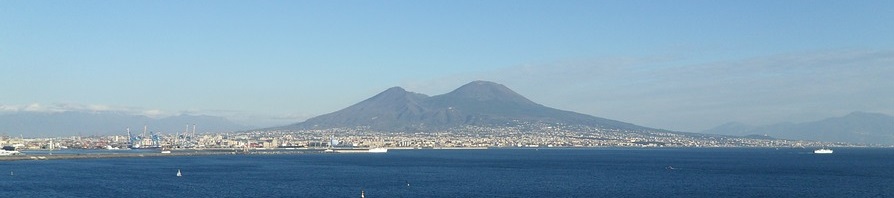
{"points": [[468, 173]]}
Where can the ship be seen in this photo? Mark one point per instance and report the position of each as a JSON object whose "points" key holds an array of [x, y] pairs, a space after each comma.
{"points": [[9, 150], [378, 150], [356, 150], [823, 151]]}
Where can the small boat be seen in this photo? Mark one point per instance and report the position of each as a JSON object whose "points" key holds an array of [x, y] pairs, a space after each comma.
{"points": [[362, 194], [822, 151], [178, 173]]}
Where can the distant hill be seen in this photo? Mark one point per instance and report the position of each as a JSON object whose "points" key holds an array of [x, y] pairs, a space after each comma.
{"points": [[479, 103], [54, 124], [732, 128], [856, 127]]}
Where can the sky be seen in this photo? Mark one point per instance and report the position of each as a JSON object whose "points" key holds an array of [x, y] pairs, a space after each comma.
{"points": [[678, 65]]}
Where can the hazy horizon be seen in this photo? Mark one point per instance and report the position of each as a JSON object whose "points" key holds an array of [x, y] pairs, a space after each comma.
{"points": [[682, 65]]}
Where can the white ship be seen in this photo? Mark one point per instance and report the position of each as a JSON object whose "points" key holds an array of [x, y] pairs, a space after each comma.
{"points": [[354, 150], [378, 150], [9, 150], [823, 151], [5, 152]]}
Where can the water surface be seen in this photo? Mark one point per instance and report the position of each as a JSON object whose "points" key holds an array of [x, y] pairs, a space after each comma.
{"points": [[469, 173]]}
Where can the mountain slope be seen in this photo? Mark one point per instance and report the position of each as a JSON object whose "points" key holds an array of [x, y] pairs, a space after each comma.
{"points": [[856, 127], [732, 128], [393, 108], [479, 103]]}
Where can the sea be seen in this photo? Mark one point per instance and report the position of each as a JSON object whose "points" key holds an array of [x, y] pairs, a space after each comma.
{"points": [[543, 172]]}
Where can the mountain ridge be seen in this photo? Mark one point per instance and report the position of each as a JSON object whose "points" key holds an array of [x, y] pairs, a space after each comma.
{"points": [[855, 127], [478, 103]]}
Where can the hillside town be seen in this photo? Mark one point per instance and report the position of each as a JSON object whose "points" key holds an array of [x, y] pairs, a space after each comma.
{"points": [[468, 137]]}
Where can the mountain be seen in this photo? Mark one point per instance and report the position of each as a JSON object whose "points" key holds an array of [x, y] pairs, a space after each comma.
{"points": [[54, 124], [204, 123], [392, 109], [479, 103], [856, 127], [732, 128]]}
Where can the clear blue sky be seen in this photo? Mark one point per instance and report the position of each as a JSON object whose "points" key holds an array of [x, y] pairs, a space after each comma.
{"points": [[682, 65]]}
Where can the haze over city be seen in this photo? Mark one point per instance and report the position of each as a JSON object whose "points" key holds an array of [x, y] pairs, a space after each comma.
{"points": [[671, 65]]}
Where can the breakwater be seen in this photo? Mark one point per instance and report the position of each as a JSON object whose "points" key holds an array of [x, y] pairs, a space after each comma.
{"points": [[104, 155], [66, 156]]}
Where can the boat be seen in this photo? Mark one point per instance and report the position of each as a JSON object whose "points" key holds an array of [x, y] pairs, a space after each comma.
{"points": [[356, 150], [178, 173], [378, 150], [823, 151], [5, 152], [9, 150]]}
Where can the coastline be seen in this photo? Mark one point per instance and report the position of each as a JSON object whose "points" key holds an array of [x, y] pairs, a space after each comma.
{"points": [[88, 154], [105, 155]]}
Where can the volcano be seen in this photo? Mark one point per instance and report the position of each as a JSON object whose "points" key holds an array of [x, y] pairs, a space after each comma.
{"points": [[479, 103]]}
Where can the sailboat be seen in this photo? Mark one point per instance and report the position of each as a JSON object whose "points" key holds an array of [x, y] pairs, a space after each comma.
{"points": [[178, 173]]}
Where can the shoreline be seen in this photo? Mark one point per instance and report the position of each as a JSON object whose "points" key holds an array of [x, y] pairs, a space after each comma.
{"points": [[192, 152], [104, 155], [292, 151]]}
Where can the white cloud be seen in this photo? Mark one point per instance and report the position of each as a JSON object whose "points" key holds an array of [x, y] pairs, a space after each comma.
{"points": [[8, 108], [68, 107], [241, 117], [39, 108], [154, 113]]}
